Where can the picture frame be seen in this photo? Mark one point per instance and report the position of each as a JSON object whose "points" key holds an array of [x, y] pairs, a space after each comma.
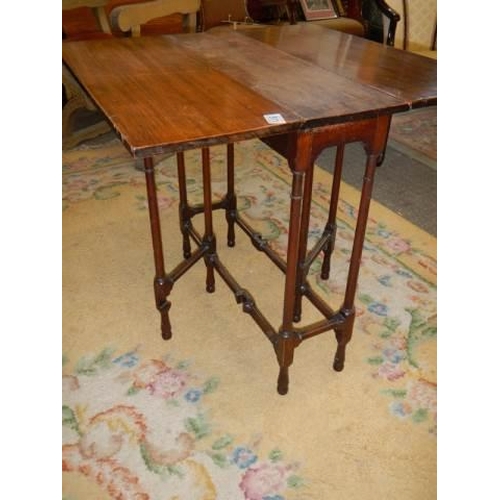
{"points": [[318, 9]]}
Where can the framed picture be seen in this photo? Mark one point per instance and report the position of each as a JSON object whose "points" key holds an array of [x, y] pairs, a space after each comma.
{"points": [[318, 9]]}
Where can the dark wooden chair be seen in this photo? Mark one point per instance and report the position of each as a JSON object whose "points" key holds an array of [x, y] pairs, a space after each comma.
{"points": [[381, 21], [352, 18], [231, 13]]}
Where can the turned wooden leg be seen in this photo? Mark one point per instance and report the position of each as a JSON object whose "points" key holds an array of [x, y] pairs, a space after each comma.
{"points": [[344, 333], [331, 224], [287, 338], [303, 239], [283, 381], [162, 288], [209, 237], [374, 146], [162, 284], [184, 215], [230, 200]]}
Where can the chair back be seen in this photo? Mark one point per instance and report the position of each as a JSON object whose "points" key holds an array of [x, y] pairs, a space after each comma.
{"points": [[96, 6], [129, 18]]}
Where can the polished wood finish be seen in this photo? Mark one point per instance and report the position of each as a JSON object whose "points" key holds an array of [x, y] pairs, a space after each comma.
{"points": [[406, 76], [226, 83], [175, 93]]}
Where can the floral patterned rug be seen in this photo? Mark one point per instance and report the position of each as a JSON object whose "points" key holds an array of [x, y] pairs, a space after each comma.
{"points": [[138, 429], [148, 419]]}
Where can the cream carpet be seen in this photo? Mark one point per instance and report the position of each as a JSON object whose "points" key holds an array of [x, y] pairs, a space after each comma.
{"points": [[198, 416]]}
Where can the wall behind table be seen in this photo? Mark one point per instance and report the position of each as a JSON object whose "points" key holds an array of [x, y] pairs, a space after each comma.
{"points": [[422, 16]]}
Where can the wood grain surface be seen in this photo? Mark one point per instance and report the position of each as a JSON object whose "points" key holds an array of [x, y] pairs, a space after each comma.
{"points": [[176, 92]]}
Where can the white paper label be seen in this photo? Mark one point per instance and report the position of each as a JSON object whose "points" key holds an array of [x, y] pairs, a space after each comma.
{"points": [[274, 118]]}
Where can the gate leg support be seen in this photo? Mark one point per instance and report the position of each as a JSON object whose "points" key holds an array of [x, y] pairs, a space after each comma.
{"points": [[331, 225], [374, 146], [209, 237], [230, 197], [184, 217]]}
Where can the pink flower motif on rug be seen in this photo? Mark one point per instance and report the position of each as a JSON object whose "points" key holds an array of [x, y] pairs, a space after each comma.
{"points": [[263, 481], [138, 429], [159, 379]]}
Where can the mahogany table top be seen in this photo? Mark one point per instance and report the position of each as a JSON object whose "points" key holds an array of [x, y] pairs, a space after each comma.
{"points": [[177, 92]]}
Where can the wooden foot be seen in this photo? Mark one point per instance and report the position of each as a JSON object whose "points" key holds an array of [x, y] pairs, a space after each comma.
{"points": [[166, 327], [283, 380], [338, 362], [297, 307], [210, 283], [325, 268]]}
